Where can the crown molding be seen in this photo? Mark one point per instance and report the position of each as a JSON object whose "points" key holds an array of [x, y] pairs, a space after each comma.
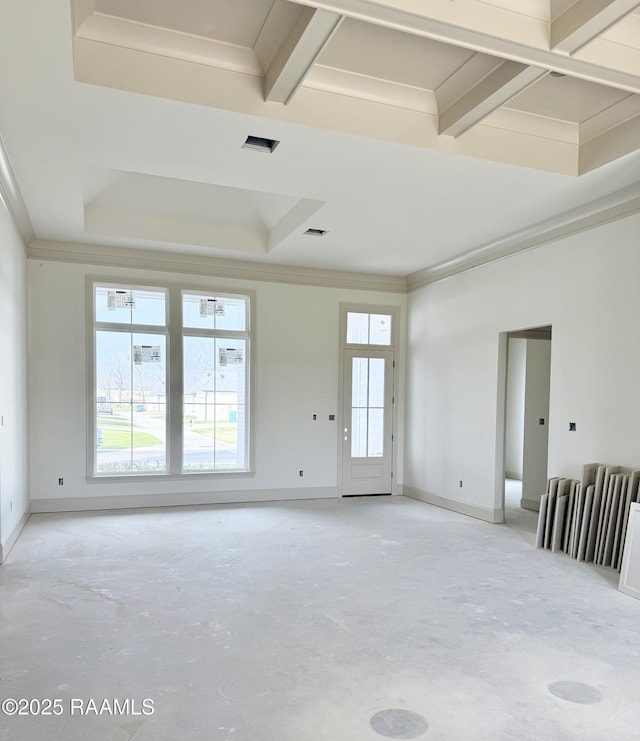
{"points": [[11, 196], [618, 205], [136, 258]]}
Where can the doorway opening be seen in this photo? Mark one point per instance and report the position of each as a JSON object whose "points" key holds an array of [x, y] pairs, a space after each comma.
{"points": [[527, 378]]}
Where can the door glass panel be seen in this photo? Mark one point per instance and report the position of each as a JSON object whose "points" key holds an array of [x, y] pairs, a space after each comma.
{"points": [[357, 328], [359, 433], [380, 329], [376, 382], [375, 442], [359, 382], [368, 329], [367, 407]]}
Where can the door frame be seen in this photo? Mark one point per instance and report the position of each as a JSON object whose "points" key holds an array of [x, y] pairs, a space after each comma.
{"points": [[394, 312], [384, 481]]}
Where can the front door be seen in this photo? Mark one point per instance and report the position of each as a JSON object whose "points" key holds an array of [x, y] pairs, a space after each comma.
{"points": [[367, 438]]}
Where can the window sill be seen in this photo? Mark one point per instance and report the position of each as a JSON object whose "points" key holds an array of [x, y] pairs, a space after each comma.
{"points": [[146, 477]]}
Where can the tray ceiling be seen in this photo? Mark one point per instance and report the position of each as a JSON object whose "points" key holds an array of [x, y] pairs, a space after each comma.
{"points": [[394, 118]]}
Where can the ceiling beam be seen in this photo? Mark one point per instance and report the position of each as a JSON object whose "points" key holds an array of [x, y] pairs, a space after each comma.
{"points": [[485, 95], [298, 52], [491, 30], [586, 20], [612, 143]]}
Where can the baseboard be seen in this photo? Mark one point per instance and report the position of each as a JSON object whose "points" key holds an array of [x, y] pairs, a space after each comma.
{"points": [[494, 516], [513, 475], [138, 501], [532, 504], [7, 544]]}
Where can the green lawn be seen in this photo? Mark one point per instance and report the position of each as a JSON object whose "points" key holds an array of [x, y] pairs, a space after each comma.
{"points": [[118, 439], [110, 420]]}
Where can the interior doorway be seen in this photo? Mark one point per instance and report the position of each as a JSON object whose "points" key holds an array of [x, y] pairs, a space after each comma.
{"points": [[526, 423]]}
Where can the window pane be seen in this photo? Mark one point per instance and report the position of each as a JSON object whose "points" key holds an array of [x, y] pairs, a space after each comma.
{"points": [[199, 449], [232, 314], [214, 403], [113, 304], [130, 429], [205, 311], [199, 397], [357, 328], [230, 403], [198, 312], [380, 329], [148, 404], [113, 368], [125, 306]]}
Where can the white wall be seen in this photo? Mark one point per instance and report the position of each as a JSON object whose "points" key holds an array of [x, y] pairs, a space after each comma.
{"points": [[586, 287], [515, 407], [14, 499], [296, 348]]}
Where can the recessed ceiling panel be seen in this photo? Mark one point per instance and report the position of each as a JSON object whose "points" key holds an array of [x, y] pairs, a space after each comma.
{"points": [[232, 21], [566, 98], [130, 204], [386, 54], [626, 31]]}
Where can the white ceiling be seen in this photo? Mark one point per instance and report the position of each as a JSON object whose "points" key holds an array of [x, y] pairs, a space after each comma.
{"points": [[124, 123]]}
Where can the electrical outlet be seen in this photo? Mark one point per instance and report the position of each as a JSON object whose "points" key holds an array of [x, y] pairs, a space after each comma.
{"points": [[315, 417], [60, 481], [301, 473], [572, 426]]}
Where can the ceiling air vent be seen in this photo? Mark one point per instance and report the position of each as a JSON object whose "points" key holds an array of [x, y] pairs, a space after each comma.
{"points": [[260, 144], [316, 232]]}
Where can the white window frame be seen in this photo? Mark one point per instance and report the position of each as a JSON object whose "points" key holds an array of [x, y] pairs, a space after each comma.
{"points": [[174, 332], [392, 311]]}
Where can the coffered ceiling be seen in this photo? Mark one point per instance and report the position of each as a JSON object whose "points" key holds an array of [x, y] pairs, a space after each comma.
{"points": [[418, 135]]}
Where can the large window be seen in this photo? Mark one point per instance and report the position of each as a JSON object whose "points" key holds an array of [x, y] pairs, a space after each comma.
{"points": [[215, 382], [170, 380]]}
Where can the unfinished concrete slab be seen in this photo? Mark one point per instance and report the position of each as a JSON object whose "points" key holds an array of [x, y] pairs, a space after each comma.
{"points": [[304, 621]]}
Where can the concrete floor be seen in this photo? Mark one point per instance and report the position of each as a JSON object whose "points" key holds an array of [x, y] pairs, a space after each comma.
{"points": [[335, 620]]}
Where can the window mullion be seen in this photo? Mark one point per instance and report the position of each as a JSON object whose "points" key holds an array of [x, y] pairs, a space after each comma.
{"points": [[175, 383]]}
